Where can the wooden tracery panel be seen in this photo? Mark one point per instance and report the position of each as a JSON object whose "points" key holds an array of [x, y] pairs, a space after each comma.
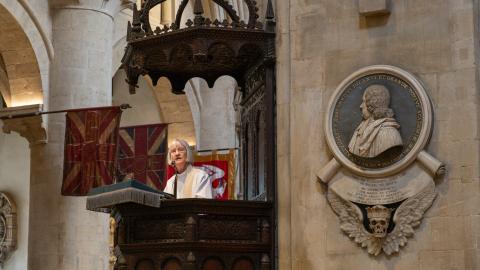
{"points": [[257, 137]]}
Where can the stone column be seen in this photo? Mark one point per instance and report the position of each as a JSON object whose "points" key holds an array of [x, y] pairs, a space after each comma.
{"points": [[62, 233]]}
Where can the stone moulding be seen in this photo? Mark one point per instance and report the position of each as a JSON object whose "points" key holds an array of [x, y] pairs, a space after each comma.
{"points": [[31, 128], [8, 227]]}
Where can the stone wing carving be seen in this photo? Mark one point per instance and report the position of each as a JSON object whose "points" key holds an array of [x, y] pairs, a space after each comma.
{"points": [[408, 215], [351, 222]]}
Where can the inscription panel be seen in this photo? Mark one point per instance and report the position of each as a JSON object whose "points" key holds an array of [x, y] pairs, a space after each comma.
{"points": [[372, 191]]}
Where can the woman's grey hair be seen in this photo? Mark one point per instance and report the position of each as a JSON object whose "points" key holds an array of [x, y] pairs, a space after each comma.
{"points": [[377, 99], [183, 143]]}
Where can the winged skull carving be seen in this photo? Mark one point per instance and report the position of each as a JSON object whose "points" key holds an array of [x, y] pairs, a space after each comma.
{"points": [[407, 216]]}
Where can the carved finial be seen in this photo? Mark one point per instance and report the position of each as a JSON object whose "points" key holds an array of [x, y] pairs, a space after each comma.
{"points": [[265, 262], [198, 11], [136, 14], [270, 15], [191, 257], [198, 8]]}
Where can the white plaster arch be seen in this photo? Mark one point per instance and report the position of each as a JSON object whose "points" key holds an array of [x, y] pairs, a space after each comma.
{"points": [[154, 104], [213, 112], [38, 39], [145, 109]]}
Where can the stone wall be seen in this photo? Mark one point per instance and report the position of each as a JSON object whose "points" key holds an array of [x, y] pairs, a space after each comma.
{"points": [[322, 42], [144, 105], [15, 181], [22, 70], [174, 109]]}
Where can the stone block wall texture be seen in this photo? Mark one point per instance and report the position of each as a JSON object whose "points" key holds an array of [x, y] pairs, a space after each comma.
{"points": [[320, 42], [15, 181], [174, 109], [24, 78]]}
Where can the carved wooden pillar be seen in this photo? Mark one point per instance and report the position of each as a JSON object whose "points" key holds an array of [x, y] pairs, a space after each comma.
{"points": [[270, 151], [121, 263], [265, 232], [265, 262], [190, 229], [191, 262]]}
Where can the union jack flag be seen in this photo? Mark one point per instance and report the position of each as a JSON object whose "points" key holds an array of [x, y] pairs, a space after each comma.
{"points": [[90, 147], [142, 153]]}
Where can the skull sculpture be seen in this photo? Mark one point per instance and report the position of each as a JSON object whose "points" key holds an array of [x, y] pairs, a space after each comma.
{"points": [[379, 219]]}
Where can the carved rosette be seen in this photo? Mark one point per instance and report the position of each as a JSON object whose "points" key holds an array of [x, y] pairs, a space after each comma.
{"points": [[380, 181], [8, 227]]}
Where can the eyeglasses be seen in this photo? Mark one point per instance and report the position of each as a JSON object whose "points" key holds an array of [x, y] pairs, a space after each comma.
{"points": [[177, 150]]}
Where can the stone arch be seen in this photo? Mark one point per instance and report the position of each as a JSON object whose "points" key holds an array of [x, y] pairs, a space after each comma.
{"points": [[22, 51], [25, 53], [213, 112], [154, 104]]}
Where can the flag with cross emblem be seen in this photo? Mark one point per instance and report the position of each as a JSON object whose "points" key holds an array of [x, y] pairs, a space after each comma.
{"points": [[142, 154], [90, 149]]}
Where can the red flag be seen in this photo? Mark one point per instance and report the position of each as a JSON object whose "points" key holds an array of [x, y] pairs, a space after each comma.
{"points": [[90, 149], [142, 153]]}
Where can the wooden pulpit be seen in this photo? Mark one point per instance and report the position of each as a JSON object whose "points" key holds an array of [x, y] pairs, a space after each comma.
{"points": [[153, 232]]}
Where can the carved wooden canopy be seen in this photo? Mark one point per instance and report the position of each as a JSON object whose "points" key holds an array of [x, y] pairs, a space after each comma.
{"points": [[204, 48]]}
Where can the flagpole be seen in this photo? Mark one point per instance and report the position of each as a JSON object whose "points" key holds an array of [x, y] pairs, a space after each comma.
{"points": [[220, 149], [22, 115]]}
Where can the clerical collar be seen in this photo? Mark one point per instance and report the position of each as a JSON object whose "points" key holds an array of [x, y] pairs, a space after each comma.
{"points": [[185, 172]]}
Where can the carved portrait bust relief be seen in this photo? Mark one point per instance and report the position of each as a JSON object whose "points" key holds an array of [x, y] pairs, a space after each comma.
{"points": [[378, 131], [379, 120]]}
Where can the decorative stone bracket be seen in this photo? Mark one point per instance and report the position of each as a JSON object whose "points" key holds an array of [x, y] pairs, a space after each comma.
{"points": [[8, 227], [373, 7], [32, 127]]}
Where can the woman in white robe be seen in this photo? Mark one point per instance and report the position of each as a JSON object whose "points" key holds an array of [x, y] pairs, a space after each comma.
{"points": [[191, 182]]}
